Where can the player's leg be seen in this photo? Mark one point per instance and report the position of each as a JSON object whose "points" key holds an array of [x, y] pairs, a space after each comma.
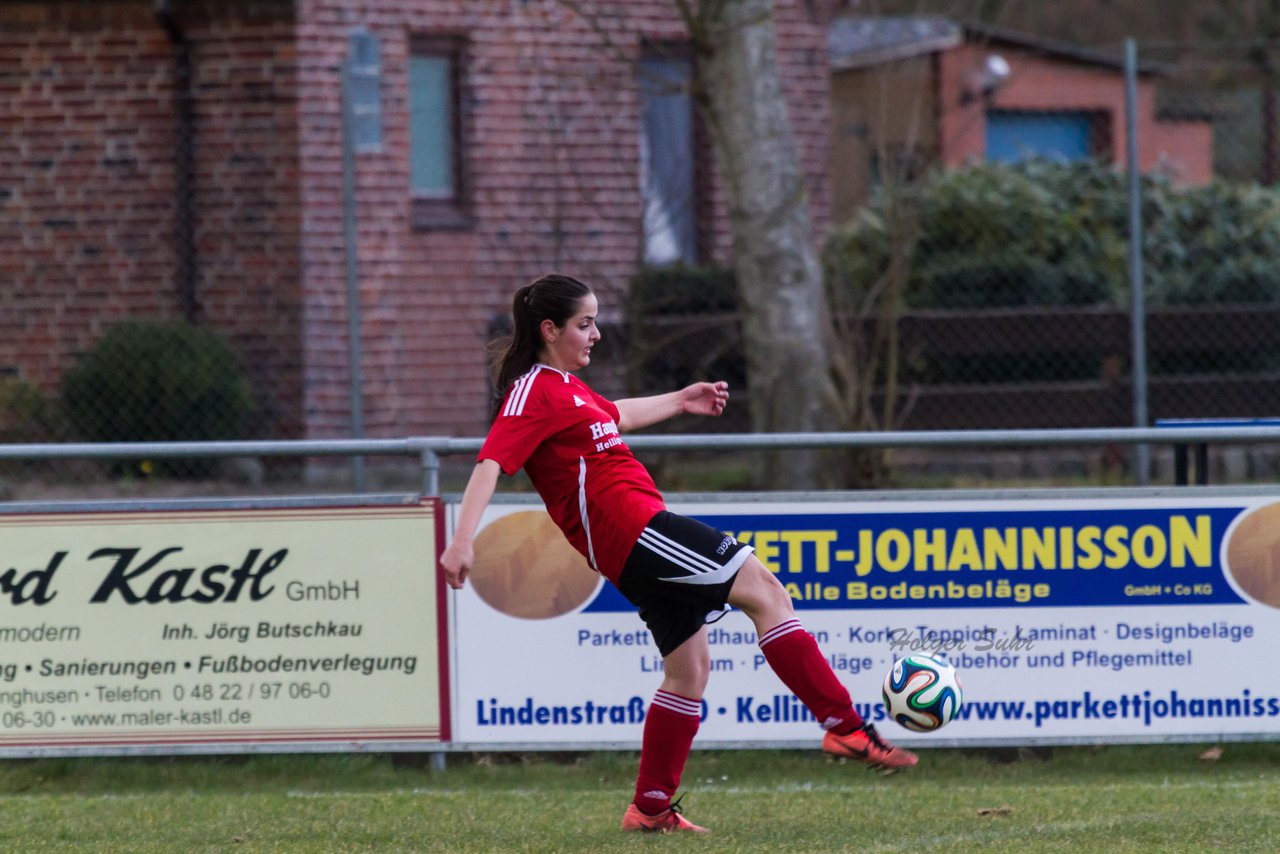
{"points": [[790, 650], [678, 576], [686, 668], [669, 728], [795, 657]]}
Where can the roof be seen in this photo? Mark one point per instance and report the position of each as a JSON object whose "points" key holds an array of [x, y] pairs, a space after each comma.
{"points": [[1069, 51], [863, 41]]}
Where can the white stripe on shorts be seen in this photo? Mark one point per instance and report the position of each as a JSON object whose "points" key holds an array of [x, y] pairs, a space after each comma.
{"points": [[704, 570], [678, 554]]}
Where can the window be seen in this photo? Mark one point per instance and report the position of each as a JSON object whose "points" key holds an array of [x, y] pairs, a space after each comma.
{"points": [[667, 176], [437, 179], [1066, 136]]}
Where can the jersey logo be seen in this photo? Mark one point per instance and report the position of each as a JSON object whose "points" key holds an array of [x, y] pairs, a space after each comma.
{"points": [[577, 401], [608, 431]]}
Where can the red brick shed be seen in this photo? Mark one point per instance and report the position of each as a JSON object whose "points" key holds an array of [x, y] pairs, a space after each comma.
{"points": [[909, 93]]}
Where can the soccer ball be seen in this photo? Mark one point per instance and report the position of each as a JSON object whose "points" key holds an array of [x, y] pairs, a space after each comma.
{"points": [[922, 692]]}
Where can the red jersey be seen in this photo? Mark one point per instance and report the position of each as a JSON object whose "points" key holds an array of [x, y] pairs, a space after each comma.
{"points": [[566, 437]]}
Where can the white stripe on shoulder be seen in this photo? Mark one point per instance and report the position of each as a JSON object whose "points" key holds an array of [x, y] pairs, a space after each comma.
{"points": [[520, 392], [513, 395]]}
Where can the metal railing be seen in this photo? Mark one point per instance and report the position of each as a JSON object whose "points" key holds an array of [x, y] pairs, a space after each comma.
{"points": [[429, 449]]}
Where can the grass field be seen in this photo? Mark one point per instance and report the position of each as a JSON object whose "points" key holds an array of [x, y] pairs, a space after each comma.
{"points": [[1131, 798]]}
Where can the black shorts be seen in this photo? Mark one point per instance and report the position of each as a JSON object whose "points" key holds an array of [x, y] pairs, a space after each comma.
{"points": [[679, 574]]}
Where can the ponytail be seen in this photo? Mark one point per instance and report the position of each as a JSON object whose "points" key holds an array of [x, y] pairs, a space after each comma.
{"points": [[553, 297]]}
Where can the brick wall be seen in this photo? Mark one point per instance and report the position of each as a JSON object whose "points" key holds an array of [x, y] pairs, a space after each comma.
{"points": [[248, 201], [554, 132], [88, 184]]}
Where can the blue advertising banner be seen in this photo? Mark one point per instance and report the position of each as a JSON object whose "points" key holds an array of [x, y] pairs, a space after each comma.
{"points": [[1067, 619]]}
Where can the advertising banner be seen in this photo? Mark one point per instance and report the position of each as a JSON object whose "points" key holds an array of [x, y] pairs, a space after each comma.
{"points": [[1068, 619], [286, 628]]}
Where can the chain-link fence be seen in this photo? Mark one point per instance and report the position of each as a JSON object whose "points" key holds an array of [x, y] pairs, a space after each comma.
{"points": [[979, 269], [977, 261]]}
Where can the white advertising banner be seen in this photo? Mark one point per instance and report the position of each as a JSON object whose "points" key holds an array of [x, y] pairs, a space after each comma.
{"points": [[306, 627], [1146, 618]]}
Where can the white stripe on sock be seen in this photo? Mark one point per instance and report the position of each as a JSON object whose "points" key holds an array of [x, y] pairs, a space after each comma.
{"points": [[678, 704], [779, 630]]}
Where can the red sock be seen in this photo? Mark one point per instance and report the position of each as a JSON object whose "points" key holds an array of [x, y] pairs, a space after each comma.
{"points": [[794, 656], [669, 728]]}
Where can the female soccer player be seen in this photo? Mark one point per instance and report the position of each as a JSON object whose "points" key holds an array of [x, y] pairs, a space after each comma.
{"points": [[679, 572]]}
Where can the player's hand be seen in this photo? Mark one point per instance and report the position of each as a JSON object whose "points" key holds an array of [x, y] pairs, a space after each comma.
{"points": [[456, 563], [706, 398]]}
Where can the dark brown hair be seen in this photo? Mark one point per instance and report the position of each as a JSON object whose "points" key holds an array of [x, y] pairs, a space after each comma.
{"points": [[553, 297]]}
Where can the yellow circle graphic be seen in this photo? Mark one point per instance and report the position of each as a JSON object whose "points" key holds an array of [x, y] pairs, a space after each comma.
{"points": [[1253, 555], [526, 568]]}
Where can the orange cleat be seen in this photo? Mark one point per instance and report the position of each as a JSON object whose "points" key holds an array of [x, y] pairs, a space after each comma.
{"points": [[866, 746], [668, 821]]}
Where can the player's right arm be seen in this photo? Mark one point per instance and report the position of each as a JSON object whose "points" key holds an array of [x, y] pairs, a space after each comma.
{"points": [[457, 559], [515, 434]]}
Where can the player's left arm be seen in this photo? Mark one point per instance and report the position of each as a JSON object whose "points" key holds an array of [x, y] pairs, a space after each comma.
{"points": [[635, 413]]}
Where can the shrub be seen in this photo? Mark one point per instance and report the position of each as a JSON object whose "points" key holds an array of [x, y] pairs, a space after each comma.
{"points": [[149, 381], [1043, 234], [1052, 234], [679, 330], [1215, 244], [1039, 234], [26, 414]]}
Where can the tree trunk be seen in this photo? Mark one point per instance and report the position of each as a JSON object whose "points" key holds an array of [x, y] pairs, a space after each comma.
{"points": [[785, 322]]}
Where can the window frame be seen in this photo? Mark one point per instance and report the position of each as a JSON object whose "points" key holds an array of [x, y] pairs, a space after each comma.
{"points": [[451, 211], [699, 150]]}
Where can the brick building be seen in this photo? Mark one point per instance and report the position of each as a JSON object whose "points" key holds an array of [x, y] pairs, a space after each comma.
{"points": [[184, 159]]}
